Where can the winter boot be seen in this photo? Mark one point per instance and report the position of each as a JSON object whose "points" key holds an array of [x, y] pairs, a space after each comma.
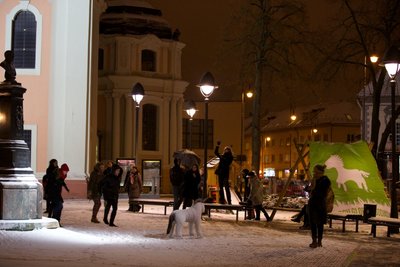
{"points": [[314, 243], [94, 220], [131, 208], [319, 242]]}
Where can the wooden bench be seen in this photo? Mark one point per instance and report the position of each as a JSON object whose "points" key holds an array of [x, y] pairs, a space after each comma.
{"points": [[234, 207], [344, 217], [157, 202], [383, 221]]}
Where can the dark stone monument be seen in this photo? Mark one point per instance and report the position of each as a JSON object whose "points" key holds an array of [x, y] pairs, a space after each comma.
{"points": [[20, 191]]}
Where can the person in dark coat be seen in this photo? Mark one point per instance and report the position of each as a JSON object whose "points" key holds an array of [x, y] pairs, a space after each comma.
{"points": [[317, 205], [93, 190], [225, 161], [191, 186], [56, 199], [176, 177], [49, 179], [110, 190]]}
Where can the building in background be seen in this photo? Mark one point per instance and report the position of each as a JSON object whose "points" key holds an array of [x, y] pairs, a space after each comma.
{"points": [[331, 122], [79, 60]]}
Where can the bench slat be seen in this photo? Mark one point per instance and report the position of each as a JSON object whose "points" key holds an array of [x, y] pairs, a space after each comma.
{"points": [[383, 221]]}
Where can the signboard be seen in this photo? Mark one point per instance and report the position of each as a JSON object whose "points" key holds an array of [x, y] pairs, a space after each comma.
{"points": [[354, 176]]}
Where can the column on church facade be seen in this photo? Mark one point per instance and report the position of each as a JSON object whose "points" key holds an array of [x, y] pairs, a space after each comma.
{"points": [[128, 131], [116, 126]]}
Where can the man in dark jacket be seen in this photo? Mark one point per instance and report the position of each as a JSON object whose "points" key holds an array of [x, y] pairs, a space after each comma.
{"points": [[93, 192], [176, 175], [110, 189], [225, 161]]}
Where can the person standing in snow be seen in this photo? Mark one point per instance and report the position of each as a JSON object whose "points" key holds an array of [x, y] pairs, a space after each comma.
{"points": [[176, 177], [48, 179], [94, 193], [317, 205], [110, 190], [134, 186], [256, 196], [225, 161], [56, 198]]}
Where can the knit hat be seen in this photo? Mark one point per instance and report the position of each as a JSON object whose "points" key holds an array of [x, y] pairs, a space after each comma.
{"points": [[64, 169]]}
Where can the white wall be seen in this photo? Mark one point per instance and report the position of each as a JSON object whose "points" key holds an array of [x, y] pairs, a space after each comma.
{"points": [[69, 84]]}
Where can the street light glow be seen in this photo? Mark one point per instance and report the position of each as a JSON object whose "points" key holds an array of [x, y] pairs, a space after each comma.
{"points": [[374, 58], [392, 69], [249, 94], [137, 93], [207, 85]]}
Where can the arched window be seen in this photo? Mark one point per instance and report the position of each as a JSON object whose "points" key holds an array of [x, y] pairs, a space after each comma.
{"points": [[150, 127], [148, 60], [24, 37], [24, 40]]}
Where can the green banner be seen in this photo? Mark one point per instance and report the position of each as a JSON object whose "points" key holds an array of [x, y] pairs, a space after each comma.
{"points": [[354, 176]]}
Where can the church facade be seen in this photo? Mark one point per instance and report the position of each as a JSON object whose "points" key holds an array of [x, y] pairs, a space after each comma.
{"points": [[79, 60]]}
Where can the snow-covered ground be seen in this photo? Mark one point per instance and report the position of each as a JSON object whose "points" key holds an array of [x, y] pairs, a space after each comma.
{"points": [[140, 240]]}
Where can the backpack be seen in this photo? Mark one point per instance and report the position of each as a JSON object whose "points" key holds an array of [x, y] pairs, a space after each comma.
{"points": [[330, 199]]}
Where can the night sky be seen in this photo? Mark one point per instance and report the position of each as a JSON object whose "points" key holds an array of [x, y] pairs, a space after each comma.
{"points": [[203, 25]]}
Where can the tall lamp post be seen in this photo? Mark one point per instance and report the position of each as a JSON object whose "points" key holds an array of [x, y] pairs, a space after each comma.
{"points": [[137, 95], [391, 60], [190, 108], [373, 58], [207, 86], [248, 94]]}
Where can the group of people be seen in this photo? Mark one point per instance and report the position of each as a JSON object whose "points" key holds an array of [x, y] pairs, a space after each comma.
{"points": [[53, 182], [105, 181], [186, 184]]}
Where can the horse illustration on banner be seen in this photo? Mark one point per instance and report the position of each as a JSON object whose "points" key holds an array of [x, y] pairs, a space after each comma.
{"points": [[345, 175]]}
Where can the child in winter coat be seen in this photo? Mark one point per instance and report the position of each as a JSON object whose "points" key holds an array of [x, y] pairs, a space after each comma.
{"points": [[257, 196]]}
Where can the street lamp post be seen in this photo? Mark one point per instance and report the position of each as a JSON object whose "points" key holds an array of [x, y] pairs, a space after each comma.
{"points": [[137, 95], [391, 60], [207, 86], [248, 94], [190, 108], [373, 58]]}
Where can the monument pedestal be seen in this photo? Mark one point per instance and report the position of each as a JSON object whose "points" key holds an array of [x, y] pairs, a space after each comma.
{"points": [[20, 192]]}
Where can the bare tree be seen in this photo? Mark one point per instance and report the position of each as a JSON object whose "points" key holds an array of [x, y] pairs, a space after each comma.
{"points": [[269, 34], [361, 28]]}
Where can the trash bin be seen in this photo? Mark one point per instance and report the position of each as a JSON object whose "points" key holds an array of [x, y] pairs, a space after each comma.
{"points": [[369, 211]]}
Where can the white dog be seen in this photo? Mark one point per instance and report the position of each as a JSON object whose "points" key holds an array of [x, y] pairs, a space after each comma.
{"points": [[191, 215]]}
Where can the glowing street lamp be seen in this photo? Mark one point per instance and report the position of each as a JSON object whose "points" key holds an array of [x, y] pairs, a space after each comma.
{"points": [[137, 96], [391, 61], [190, 108], [248, 94], [207, 86]]}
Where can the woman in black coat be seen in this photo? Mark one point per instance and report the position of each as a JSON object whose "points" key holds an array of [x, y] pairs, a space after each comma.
{"points": [[317, 205], [110, 189], [191, 186]]}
